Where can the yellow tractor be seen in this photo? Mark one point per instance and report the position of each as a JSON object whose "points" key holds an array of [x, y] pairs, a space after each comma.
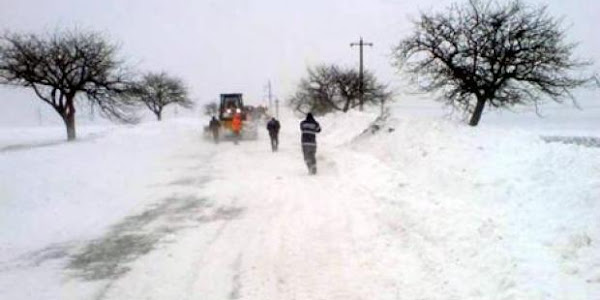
{"points": [[229, 106]]}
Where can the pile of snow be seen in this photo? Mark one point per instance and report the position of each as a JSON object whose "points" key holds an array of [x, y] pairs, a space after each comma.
{"points": [[493, 212], [18, 138]]}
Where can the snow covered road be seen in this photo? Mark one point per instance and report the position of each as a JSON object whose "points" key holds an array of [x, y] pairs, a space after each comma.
{"points": [[292, 236], [424, 213], [220, 222]]}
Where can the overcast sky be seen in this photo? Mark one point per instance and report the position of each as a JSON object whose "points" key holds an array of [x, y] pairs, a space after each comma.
{"points": [[237, 46]]}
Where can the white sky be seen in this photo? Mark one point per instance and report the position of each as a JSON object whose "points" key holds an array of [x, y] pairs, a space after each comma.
{"points": [[237, 46]]}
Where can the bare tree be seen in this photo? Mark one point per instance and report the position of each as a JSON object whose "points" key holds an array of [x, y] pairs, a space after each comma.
{"points": [[211, 109], [490, 53], [330, 88], [62, 67], [315, 93], [157, 90]]}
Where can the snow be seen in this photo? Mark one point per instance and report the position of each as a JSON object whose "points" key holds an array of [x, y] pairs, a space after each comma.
{"points": [[523, 212], [425, 207]]}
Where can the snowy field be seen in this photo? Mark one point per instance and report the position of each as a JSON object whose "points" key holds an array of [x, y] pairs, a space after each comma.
{"points": [[416, 207]]}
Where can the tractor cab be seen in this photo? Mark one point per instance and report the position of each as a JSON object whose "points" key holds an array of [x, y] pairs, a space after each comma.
{"points": [[230, 105]]}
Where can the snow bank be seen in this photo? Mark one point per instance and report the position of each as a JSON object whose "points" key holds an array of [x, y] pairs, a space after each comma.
{"points": [[60, 199], [493, 212], [52, 191], [32, 137]]}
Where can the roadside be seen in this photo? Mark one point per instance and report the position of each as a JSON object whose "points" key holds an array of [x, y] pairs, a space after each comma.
{"points": [[90, 207]]}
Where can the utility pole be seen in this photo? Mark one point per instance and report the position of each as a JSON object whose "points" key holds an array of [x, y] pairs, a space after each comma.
{"points": [[360, 45], [277, 108]]}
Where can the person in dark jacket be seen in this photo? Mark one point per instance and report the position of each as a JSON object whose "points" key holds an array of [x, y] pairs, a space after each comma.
{"points": [[214, 127], [310, 128], [273, 128]]}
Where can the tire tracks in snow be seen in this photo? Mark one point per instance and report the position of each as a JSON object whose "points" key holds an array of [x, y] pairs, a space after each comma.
{"points": [[304, 237], [116, 257], [299, 237]]}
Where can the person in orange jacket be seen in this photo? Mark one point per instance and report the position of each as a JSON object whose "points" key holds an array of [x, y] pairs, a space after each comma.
{"points": [[236, 126]]}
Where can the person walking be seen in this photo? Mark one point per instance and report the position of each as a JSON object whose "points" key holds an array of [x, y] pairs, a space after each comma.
{"points": [[214, 127], [236, 127], [310, 127], [273, 128]]}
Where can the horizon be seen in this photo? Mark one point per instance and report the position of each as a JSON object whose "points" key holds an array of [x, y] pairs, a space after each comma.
{"points": [[237, 46]]}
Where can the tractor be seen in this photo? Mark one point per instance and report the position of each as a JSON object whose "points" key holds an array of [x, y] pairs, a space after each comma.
{"points": [[229, 106]]}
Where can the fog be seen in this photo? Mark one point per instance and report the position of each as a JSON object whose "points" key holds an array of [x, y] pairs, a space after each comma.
{"points": [[238, 46]]}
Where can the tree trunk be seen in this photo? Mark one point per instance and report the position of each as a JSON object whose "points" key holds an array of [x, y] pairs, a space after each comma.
{"points": [[346, 105], [477, 113], [69, 118], [70, 124], [159, 115]]}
